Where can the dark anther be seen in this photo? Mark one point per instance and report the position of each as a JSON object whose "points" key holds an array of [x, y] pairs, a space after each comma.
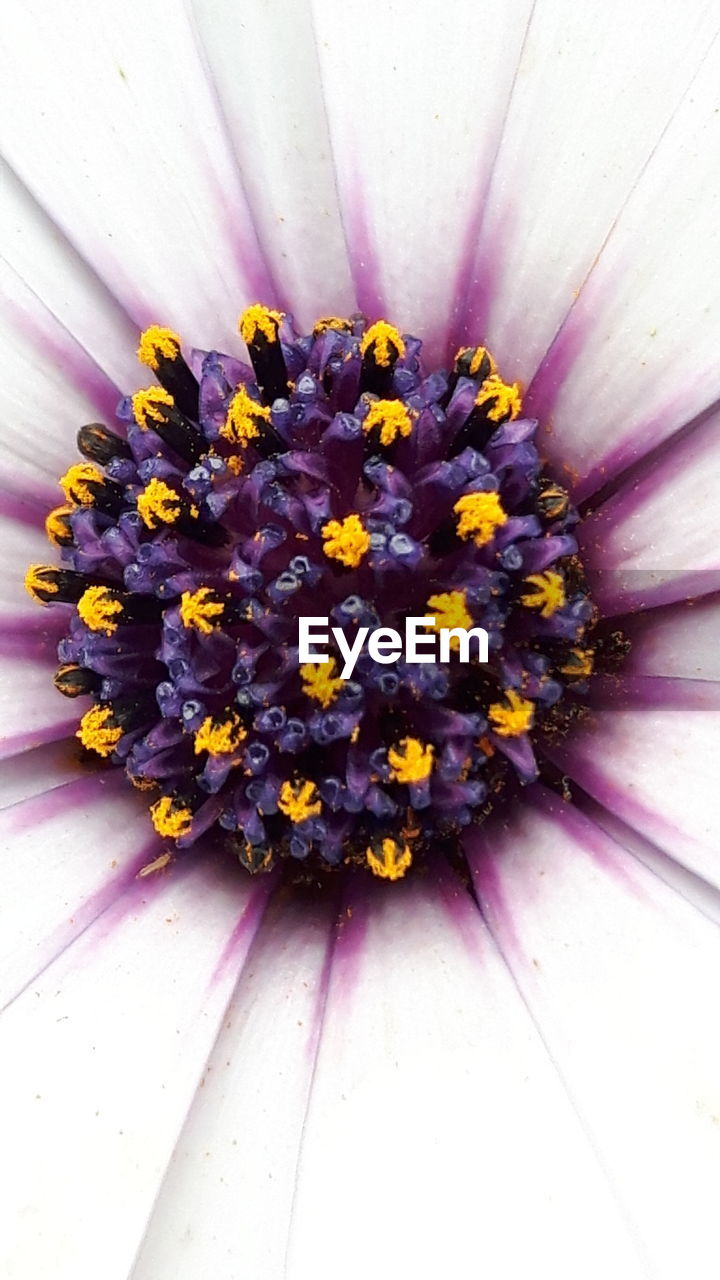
{"points": [[475, 432], [176, 376], [99, 444], [268, 365], [74, 682], [552, 502], [178, 433]]}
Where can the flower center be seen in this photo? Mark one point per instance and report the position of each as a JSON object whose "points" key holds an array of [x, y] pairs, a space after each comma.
{"points": [[333, 478]]}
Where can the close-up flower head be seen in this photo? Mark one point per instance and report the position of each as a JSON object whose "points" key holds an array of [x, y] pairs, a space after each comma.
{"points": [[359, 639]]}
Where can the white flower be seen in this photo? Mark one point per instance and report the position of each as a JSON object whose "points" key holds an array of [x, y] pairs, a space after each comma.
{"points": [[201, 1078]]}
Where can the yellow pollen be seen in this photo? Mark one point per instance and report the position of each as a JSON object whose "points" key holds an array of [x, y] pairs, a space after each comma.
{"points": [[200, 610], [391, 417], [100, 609], [411, 761], [56, 525], [387, 344], [550, 593], [156, 344], [220, 738], [506, 395], [477, 356], [331, 322], [170, 818], [578, 662], [235, 463], [36, 581], [320, 681], [391, 861], [97, 731], [159, 504], [299, 801], [346, 540], [151, 405], [450, 610], [243, 415], [480, 514], [259, 319], [74, 483], [511, 720]]}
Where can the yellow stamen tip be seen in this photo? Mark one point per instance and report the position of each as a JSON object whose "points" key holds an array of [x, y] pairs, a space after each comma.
{"points": [[392, 417], [478, 356], [346, 540], [389, 859], [220, 738], [156, 344], [170, 818], [320, 681], [299, 800], [243, 417], [258, 319], [480, 516], [100, 609], [512, 718], [549, 595], [449, 609], [331, 322], [56, 526], [505, 398], [74, 483], [388, 346], [151, 405], [37, 581], [199, 610], [158, 504], [578, 662], [98, 732], [411, 761]]}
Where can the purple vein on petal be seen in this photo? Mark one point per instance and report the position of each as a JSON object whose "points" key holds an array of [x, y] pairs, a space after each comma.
{"points": [[691, 885], [120, 891], [574, 330], [475, 281], [681, 693], [59, 230], [29, 506], [68, 353], [32, 637], [251, 258]]}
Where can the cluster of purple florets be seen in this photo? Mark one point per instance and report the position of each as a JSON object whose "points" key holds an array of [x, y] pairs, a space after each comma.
{"points": [[330, 476]]}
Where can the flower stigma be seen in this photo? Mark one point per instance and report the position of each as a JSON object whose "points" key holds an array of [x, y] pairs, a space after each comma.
{"points": [[331, 476]]}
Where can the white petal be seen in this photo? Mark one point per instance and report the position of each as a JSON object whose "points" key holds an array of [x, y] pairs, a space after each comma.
{"points": [[636, 358], [227, 1197], [31, 710], [439, 1140], [23, 544], [651, 538], [61, 287], [264, 66], [656, 769], [120, 140], [35, 772], [620, 974], [416, 106], [101, 1058], [49, 388], [67, 854], [595, 88]]}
